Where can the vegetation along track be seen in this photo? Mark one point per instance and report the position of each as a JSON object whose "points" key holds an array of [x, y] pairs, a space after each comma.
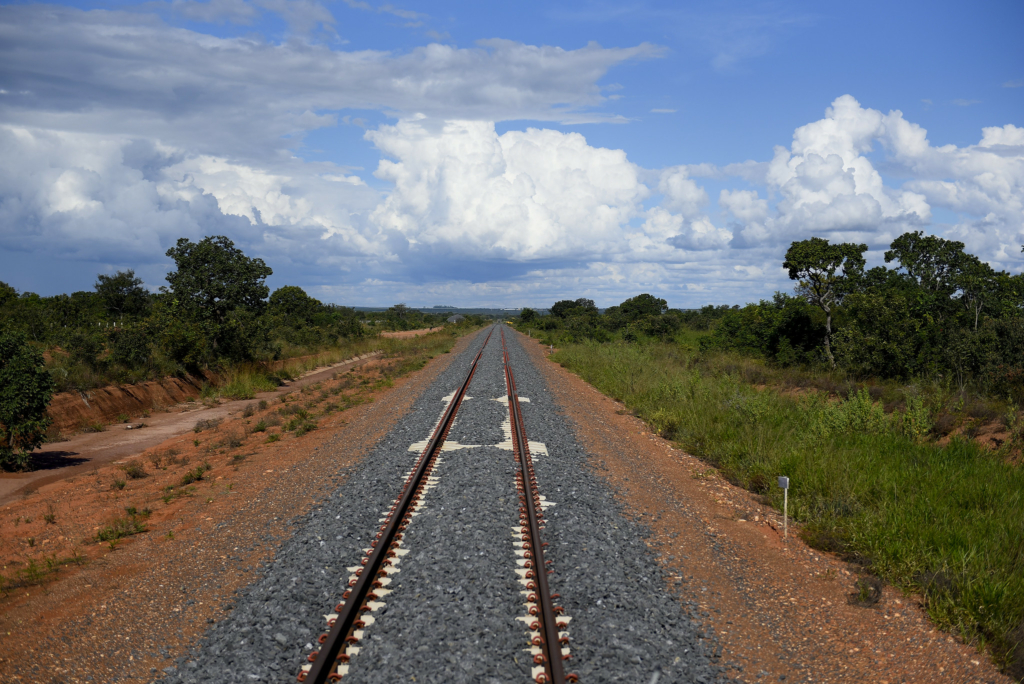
{"points": [[428, 563]]}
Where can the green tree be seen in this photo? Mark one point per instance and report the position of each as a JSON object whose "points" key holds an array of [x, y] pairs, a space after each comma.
{"points": [[978, 284], [122, 294], [570, 307], [217, 286], [294, 305], [7, 294], [527, 315], [816, 265], [930, 260], [214, 278], [642, 305], [25, 391]]}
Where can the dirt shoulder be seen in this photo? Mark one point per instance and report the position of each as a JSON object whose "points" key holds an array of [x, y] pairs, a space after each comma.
{"points": [[778, 608], [132, 608], [84, 452], [403, 334]]}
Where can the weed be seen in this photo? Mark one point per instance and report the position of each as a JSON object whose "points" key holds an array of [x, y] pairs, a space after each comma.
{"points": [[234, 441], [195, 475], [122, 418], [134, 512], [50, 516], [868, 593], [249, 411], [207, 391], [134, 470], [119, 483], [208, 424], [195, 442], [94, 426], [260, 426], [170, 534], [273, 438], [238, 458], [31, 541], [263, 404], [120, 527], [307, 426]]}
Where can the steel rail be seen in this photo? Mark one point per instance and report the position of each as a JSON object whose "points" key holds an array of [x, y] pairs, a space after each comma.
{"points": [[324, 667], [530, 516]]}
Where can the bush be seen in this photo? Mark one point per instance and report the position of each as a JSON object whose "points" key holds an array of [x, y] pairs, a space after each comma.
{"points": [[25, 391]]}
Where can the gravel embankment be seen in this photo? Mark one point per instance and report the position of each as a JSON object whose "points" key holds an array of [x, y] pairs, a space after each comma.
{"points": [[452, 614]]}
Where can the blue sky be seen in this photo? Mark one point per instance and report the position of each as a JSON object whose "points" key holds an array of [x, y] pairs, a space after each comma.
{"points": [[504, 154]]}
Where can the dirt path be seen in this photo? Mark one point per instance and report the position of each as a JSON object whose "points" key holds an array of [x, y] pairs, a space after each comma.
{"points": [[778, 608], [85, 452]]}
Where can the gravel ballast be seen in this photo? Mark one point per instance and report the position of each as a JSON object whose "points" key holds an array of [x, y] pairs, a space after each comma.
{"points": [[453, 613]]}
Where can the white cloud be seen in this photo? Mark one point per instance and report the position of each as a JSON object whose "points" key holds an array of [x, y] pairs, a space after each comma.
{"points": [[118, 200], [663, 111], [961, 102], [536, 194], [1019, 83], [827, 186]]}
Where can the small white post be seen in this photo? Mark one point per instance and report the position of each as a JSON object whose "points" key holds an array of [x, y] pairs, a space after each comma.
{"points": [[784, 483]]}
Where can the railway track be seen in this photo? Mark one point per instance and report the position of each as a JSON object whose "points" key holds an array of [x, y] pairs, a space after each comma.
{"points": [[429, 563], [547, 635]]}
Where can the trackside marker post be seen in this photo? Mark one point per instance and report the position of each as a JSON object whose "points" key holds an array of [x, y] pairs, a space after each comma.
{"points": [[784, 483]]}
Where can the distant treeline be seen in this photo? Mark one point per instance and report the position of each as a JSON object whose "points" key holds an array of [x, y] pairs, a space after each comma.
{"points": [[215, 309], [937, 312]]}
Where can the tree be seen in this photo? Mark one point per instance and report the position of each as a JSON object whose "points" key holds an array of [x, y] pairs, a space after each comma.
{"points": [[219, 288], [527, 315], [25, 391], [122, 294], [7, 294], [930, 260], [642, 305], [978, 284], [815, 264], [570, 307], [214, 278], [294, 305]]}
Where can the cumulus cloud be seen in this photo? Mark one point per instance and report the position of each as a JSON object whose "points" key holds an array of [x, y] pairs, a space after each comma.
{"points": [[117, 200], [523, 195], [827, 186]]}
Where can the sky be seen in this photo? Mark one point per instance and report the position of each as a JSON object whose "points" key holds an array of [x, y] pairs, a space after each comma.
{"points": [[504, 154]]}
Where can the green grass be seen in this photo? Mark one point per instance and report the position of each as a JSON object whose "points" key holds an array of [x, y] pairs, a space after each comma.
{"points": [[35, 573], [124, 526], [944, 521]]}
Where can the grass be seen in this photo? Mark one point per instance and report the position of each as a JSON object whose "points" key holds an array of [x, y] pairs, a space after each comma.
{"points": [[195, 475], [945, 521], [123, 526], [37, 572]]}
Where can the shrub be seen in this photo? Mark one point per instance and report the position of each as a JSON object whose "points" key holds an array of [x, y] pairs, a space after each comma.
{"points": [[134, 470], [208, 424], [121, 527], [25, 391]]}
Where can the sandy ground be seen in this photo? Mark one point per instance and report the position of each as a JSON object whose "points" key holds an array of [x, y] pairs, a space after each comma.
{"points": [[85, 452]]}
